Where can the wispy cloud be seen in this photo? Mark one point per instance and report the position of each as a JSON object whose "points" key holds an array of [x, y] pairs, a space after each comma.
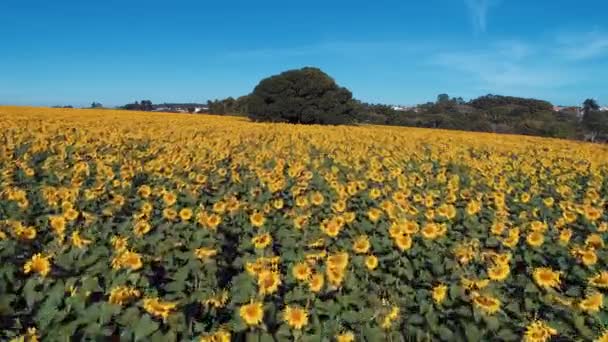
{"points": [[478, 10], [583, 46], [345, 48], [506, 65]]}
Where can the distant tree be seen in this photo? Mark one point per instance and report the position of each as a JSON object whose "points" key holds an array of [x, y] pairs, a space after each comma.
{"points": [[96, 105], [443, 98], [146, 105], [590, 105], [305, 96], [191, 110], [595, 124]]}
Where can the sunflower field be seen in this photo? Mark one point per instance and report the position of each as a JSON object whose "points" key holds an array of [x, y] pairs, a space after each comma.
{"points": [[125, 226]]}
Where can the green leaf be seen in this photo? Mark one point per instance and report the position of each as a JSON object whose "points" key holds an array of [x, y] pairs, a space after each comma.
{"points": [[445, 333], [507, 335], [373, 334], [351, 317], [472, 333], [30, 293], [145, 327]]}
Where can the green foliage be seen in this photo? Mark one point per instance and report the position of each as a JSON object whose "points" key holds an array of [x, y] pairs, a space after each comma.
{"points": [[304, 96]]}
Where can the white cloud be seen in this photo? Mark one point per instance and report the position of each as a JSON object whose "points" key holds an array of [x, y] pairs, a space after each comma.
{"points": [[478, 10]]}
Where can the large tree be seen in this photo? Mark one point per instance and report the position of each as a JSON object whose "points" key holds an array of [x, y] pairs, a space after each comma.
{"points": [[306, 96], [590, 105]]}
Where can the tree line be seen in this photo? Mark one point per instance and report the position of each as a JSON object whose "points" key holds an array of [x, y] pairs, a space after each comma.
{"points": [[310, 96]]}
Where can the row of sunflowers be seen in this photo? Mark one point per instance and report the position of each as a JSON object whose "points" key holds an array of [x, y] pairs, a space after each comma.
{"points": [[161, 227]]}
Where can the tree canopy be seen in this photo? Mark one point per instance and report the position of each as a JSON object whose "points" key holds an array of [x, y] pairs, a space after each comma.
{"points": [[304, 96]]}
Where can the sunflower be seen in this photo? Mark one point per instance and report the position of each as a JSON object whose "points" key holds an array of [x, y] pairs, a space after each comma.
{"points": [[497, 228], [39, 264], [538, 331], [141, 228], [592, 303], [122, 294], [347, 336], [538, 226], [349, 217], [592, 213], [268, 282], [403, 242], [25, 233], [374, 214], [545, 277], [217, 300], [603, 337], [335, 276], [586, 256], [535, 239], [473, 207], [361, 244], [119, 243], [564, 236], [127, 259], [278, 203], [488, 304], [219, 207], [315, 282], [371, 262], [295, 317], [316, 198], [170, 214], [185, 214], [252, 313], [338, 260], [594, 241], [204, 253], [512, 238], [78, 241], [261, 241], [221, 335], [212, 221], [144, 191], [57, 224], [391, 316], [158, 308], [375, 193], [439, 293], [499, 272], [257, 219], [301, 271], [169, 198], [599, 280], [431, 231], [331, 228]]}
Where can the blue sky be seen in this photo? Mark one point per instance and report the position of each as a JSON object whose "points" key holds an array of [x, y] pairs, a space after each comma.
{"points": [[396, 52]]}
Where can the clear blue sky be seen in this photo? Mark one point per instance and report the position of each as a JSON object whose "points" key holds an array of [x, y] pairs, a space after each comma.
{"points": [[396, 52]]}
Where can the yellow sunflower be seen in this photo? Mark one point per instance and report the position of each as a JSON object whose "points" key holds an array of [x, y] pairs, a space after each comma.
{"points": [[592, 303], [295, 317], [538, 331], [546, 277], [439, 293], [488, 304], [268, 282], [371, 262], [361, 244], [252, 313], [39, 264]]}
